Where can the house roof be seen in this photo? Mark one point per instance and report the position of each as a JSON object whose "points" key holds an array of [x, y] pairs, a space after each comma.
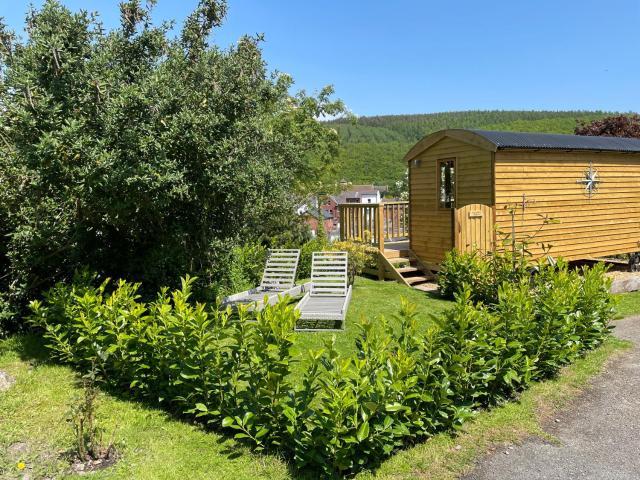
{"points": [[363, 188], [358, 191], [342, 198], [554, 141], [494, 140]]}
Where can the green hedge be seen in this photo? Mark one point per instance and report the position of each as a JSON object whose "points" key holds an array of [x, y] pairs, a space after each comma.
{"points": [[401, 385], [482, 274]]}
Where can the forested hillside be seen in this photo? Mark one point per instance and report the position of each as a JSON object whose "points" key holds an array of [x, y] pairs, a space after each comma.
{"points": [[373, 147]]}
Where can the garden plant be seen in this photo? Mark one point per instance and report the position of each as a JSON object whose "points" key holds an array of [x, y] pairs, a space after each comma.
{"points": [[342, 413]]}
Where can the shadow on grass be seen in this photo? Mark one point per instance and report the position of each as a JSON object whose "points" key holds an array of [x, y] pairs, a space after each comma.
{"points": [[435, 295], [30, 348]]}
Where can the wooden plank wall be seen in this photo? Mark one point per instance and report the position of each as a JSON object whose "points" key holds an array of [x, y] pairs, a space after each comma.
{"points": [[431, 227], [607, 223]]}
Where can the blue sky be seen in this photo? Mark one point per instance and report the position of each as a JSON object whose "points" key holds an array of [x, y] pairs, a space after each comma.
{"points": [[426, 56]]}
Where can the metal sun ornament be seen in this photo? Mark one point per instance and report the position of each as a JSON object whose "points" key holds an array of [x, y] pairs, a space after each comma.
{"points": [[590, 180]]}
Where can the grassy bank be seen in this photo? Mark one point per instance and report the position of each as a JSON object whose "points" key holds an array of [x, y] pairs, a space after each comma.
{"points": [[628, 304], [152, 444]]}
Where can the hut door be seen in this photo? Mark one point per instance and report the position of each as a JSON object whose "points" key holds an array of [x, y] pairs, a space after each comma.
{"points": [[473, 228]]}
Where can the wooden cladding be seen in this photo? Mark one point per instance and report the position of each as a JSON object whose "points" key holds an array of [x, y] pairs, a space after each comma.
{"points": [[374, 223], [432, 227], [607, 222]]}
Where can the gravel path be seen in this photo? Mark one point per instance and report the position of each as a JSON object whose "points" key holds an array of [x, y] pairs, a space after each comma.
{"points": [[599, 436]]}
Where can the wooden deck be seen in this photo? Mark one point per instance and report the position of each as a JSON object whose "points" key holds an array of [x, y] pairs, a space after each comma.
{"points": [[396, 246], [375, 223]]}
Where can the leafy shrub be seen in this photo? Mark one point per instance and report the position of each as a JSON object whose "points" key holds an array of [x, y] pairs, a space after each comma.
{"points": [[8, 317], [462, 269], [482, 274], [361, 256], [346, 412], [246, 265], [317, 244]]}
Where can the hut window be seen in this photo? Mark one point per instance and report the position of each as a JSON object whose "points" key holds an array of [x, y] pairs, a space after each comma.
{"points": [[447, 183]]}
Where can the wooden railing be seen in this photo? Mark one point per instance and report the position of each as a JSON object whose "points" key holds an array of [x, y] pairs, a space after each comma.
{"points": [[374, 223]]}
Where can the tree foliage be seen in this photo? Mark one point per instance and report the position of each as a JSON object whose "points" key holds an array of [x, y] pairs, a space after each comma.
{"points": [[142, 155], [614, 126], [411, 128]]}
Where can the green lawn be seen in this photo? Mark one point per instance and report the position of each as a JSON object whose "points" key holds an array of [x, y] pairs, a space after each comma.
{"points": [[372, 299], [628, 304], [154, 445]]}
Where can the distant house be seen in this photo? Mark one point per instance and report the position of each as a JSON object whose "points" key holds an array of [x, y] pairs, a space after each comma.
{"points": [[328, 210], [362, 194], [315, 212], [313, 217]]}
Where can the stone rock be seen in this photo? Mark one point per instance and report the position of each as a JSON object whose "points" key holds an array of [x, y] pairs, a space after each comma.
{"points": [[626, 284], [6, 381], [18, 448]]}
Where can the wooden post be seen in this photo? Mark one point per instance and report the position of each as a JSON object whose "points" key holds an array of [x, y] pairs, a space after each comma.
{"points": [[380, 238], [381, 227], [381, 269], [455, 227]]}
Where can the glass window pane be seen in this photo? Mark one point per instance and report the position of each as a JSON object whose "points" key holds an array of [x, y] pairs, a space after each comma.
{"points": [[447, 183]]}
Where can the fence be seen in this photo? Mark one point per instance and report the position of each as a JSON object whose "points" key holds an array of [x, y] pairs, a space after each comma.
{"points": [[374, 223]]}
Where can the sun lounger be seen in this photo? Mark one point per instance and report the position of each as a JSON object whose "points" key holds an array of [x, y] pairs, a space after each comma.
{"points": [[329, 294], [278, 280]]}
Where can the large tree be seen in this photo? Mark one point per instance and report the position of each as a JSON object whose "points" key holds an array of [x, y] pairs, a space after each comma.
{"points": [[614, 126], [140, 154]]}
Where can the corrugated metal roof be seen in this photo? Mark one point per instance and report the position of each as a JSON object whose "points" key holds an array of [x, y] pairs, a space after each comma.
{"points": [[551, 141]]}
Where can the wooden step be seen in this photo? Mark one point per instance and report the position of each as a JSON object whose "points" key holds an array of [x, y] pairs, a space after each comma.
{"points": [[403, 270], [427, 287], [399, 260], [392, 253], [412, 280]]}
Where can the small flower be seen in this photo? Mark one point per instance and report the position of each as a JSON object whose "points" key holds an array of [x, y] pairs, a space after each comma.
{"points": [[21, 466]]}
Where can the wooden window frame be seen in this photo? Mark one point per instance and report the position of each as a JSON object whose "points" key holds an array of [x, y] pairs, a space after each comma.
{"points": [[439, 182]]}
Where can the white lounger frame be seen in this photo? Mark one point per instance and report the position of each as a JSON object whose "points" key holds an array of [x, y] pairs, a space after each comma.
{"points": [[278, 280], [330, 293]]}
